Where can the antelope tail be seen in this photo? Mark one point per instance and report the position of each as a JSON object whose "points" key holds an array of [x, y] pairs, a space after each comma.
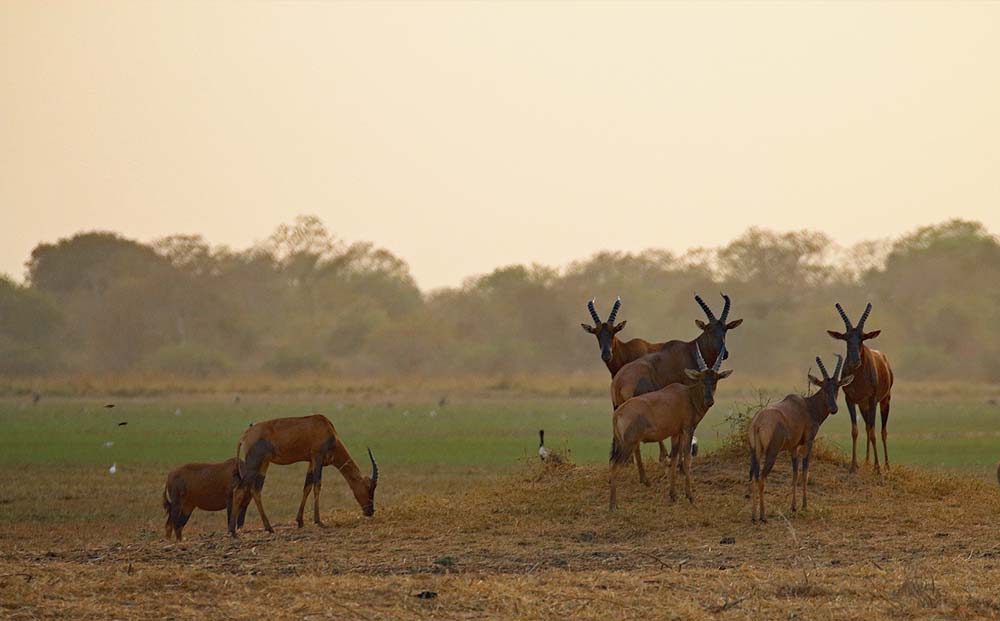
{"points": [[777, 440], [167, 505]]}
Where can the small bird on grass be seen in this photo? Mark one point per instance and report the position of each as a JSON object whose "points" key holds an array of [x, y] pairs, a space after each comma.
{"points": [[545, 454]]}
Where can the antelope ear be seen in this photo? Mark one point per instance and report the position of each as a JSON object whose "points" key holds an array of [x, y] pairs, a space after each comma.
{"points": [[844, 381], [620, 326], [701, 324], [693, 375], [733, 324], [870, 335], [836, 335], [815, 381], [587, 328], [725, 374]]}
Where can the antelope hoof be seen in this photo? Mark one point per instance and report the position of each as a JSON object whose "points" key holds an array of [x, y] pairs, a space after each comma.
{"points": [[763, 520], [794, 509], [270, 530], [300, 522], [854, 468], [321, 524]]}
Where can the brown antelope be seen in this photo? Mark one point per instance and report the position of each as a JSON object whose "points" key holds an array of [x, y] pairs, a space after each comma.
{"points": [[872, 385], [616, 353], [283, 441], [668, 365], [791, 425], [198, 486], [672, 412]]}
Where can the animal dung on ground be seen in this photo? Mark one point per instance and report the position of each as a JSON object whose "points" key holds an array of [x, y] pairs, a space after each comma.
{"points": [[426, 595], [123, 423], [727, 541], [109, 405]]}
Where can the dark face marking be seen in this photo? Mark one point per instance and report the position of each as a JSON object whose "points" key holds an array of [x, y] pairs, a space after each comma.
{"points": [[716, 331]]}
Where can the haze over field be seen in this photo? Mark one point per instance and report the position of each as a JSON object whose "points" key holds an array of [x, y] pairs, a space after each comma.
{"points": [[463, 137]]}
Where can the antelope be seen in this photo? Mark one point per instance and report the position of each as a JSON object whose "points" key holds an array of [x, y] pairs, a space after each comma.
{"points": [[283, 441], [198, 486], [668, 365], [671, 412], [791, 425], [616, 353], [872, 384]]}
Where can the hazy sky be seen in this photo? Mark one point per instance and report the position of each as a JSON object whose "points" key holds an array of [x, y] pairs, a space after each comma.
{"points": [[465, 136]]}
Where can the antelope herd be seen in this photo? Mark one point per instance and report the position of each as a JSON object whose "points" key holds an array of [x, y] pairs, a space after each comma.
{"points": [[659, 390]]}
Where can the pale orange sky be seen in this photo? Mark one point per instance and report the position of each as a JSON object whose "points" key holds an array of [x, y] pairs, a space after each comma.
{"points": [[465, 136]]}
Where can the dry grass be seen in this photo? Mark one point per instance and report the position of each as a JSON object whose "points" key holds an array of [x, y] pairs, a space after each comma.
{"points": [[536, 544]]}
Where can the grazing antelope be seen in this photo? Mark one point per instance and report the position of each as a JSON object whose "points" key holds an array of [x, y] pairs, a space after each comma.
{"points": [[283, 441], [671, 412], [198, 486], [872, 384], [616, 353], [791, 425]]}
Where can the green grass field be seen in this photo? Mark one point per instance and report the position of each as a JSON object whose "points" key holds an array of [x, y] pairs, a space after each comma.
{"points": [[951, 432]]}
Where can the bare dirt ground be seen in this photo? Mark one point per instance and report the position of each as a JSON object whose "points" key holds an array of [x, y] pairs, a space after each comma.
{"points": [[536, 544]]}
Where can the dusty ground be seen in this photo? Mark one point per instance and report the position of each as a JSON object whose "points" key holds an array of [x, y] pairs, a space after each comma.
{"points": [[537, 543]]}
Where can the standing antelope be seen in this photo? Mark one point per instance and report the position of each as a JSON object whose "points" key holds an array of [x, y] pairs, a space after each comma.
{"points": [[791, 425], [616, 353], [285, 441], [671, 412], [668, 365], [872, 384]]}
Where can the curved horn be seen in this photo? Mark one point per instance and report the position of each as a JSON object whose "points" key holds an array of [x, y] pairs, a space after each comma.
{"points": [[704, 307], [822, 368], [593, 312], [843, 315], [699, 359], [374, 469], [864, 316], [840, 365], [614, 311], [725, 309], [718, 359]]}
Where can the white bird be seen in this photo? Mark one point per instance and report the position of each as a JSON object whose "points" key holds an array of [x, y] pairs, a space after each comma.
{"points": [[545, 454], [114, 468]]}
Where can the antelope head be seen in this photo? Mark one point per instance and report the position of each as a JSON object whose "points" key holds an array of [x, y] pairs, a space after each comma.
{"points": [[716, 329], [365, 494], [605, 331], [708, 376], [830, 385], [854, 335]]}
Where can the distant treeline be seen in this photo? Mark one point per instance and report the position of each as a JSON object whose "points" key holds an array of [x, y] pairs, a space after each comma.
{"points": [[304, 302]]}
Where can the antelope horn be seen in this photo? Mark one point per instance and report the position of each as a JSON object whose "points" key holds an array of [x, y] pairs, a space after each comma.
{"points": [[725, 309], [593, 312], [698, 358], [843, 315], [840, 364], [614, 311], [374, 469], [704, 307], [864, 316], [822, 368], [718, 359]]}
